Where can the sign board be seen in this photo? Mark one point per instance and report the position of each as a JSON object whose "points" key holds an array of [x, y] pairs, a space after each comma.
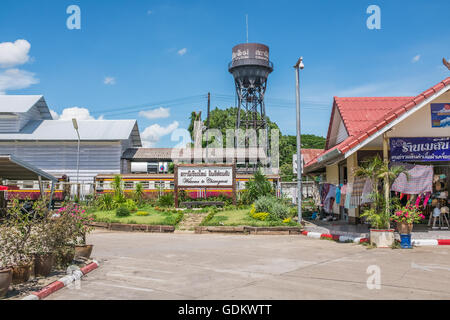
{"points": [[199, 176], [205, 176], [440, 115], [420, 149]]}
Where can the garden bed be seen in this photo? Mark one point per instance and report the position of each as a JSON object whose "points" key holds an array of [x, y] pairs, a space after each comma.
{"points": [[241, 218], [251, 230], [134, 227], [154, 217]]}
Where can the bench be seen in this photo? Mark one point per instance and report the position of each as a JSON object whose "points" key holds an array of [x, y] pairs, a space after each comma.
{"points": [[197, 204]]}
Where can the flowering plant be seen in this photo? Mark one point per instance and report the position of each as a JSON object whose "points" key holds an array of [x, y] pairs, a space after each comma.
{"points": [[81, 221], [408, 214]]}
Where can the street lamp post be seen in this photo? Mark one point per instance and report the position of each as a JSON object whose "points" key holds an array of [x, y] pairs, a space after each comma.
{"points": [[75, 125], [299, 66]]}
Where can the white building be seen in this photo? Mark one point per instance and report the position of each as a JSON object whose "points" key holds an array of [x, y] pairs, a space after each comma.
{"points": [[28, 132]]}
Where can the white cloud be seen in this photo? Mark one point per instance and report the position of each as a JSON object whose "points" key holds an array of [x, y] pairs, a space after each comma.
{"points": [[416, 58], [109, 81], [149, 12], [14, 79], [160, 113], [151, 135], [182, 52], [14, 53], [74, 112]]}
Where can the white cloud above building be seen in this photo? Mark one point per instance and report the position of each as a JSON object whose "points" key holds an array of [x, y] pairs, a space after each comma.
{"points": [[160, 113], [14, 53], [152, 134]]}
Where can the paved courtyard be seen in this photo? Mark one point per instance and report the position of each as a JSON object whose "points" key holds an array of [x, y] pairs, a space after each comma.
{"points": [[189, 266]]}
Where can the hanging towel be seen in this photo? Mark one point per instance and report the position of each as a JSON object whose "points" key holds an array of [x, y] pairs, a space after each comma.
{"points": [[357, 191], [420, 181], [367, 192], [348, 196], [338, 194]]}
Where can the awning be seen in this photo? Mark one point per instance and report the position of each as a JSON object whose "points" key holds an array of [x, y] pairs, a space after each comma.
{"points": [[12, 168]]}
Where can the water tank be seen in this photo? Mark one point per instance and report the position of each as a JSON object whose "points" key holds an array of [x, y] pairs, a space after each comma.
{"points": [[250, 64]]}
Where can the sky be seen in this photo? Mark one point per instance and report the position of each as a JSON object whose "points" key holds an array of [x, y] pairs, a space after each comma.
{"points": [[155, 61]]}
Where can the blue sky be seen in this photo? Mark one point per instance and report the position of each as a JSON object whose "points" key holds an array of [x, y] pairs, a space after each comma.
{"points": [[135, 55]]}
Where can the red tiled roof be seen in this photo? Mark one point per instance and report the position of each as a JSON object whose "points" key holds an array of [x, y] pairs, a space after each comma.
{"points": [[310, 154], [363, 117]]}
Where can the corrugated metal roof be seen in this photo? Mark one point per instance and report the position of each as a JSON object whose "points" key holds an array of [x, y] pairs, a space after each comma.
{"points": [[13, 168], [17, 103], [94, 130]]}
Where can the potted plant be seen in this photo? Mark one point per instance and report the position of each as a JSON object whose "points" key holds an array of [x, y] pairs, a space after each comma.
{"points": [[6, 272], [18, 245], [42, 239], [81, 226], [379, 213], [405, 217]]}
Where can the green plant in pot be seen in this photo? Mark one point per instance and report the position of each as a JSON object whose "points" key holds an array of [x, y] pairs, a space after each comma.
{"points": [[79, 223], [405, 217], [42, 240], [17, 246], [379, 213], [6, 272]]}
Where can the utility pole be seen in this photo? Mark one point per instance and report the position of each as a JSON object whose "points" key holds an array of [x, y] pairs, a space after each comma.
{"points": [[75, 126], [207, 125], [299, 65]]}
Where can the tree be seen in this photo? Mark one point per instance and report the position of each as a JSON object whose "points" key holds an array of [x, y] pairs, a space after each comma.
{"points": [[224, 119]]}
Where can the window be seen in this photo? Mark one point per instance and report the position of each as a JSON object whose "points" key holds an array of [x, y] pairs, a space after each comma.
{"points": [[128, 185], [27, 185]]}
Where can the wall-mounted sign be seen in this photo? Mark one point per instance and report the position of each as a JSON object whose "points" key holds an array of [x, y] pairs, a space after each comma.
{"points": [[440, 115], [420, 149], [205, 176]]}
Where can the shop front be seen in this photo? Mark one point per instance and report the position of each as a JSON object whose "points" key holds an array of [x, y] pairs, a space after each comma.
{"points": [[412, 132]]}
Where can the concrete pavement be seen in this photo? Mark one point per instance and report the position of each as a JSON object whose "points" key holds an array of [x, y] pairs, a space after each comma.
{"points": [[190, 266]]}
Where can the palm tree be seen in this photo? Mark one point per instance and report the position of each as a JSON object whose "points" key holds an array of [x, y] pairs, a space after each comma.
{"points": [[378, 170]]}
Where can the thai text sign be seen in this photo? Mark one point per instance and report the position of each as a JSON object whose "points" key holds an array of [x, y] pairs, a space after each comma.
{"points": [[420, 149], [205, 176], [440, 115]]}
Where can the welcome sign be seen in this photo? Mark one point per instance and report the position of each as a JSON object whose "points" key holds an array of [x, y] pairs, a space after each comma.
{"points": [[205, 176], [420, 149]]}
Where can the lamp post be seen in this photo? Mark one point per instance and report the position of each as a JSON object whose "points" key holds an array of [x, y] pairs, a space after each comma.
{"points": [[299, 66], [75, 125]]}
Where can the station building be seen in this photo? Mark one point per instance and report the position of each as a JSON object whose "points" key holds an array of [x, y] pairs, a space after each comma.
{"points": [[414, 131]]}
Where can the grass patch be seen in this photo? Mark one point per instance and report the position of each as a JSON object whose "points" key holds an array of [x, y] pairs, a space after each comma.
{"points": [[240, 217], [154, 217]]}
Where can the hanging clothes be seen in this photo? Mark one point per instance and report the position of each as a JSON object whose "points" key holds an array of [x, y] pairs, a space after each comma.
{"points": [[338, 194], [420, 181], [329, 199], [367, 192], [348, 197], [357, 191]]}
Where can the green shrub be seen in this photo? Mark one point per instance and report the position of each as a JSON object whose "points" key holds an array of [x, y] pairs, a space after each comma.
{"points": [[131, 205], [262, 216], [166, 200], [279, 211], [264, 204], [105, 202], [123, 212], [257, 187]]}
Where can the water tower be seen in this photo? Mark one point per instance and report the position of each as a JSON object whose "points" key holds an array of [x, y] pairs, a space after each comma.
{"points": [[250, 67]]}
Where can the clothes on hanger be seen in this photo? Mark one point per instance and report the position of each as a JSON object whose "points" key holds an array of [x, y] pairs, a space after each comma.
{"points": [[418, 181], [367, 192], [357, 191], [338, 194]]}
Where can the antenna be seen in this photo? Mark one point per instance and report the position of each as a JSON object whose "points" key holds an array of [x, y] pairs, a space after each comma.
{"points": [[246, 23]]}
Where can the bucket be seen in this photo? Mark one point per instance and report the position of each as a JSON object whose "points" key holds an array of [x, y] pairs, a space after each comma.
{"points": [[405, 241]]}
